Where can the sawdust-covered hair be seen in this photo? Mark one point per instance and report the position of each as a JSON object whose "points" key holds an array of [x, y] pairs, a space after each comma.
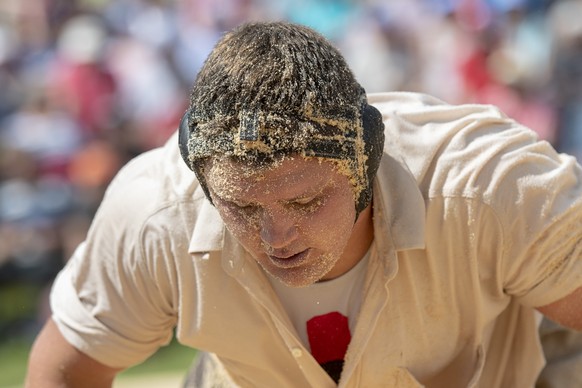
{"points": [[276, 88]]}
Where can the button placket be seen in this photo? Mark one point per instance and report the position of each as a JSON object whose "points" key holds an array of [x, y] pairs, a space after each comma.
{"points": [[296, 352]]}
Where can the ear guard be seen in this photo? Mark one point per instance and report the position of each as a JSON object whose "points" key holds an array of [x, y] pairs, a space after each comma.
{"points": [[184, 132], [372, 136]]}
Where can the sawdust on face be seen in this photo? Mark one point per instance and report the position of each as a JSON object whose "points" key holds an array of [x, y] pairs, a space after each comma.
{"points": [[294, 216]]}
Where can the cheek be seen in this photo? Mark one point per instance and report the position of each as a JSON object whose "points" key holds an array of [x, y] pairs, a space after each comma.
{"points": [[330, 226]]}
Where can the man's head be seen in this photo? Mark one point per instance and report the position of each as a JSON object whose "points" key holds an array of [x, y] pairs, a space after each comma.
{"points": [[283, 142], [270, 90]]}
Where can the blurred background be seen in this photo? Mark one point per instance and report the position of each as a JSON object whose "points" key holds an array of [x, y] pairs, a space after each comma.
{"points": [[85, 85]]}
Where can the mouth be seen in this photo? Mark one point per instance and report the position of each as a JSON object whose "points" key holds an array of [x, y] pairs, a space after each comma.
{"points": [[291, 261]]}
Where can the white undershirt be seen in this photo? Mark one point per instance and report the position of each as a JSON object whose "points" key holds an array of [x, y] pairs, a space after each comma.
{"points": [[342, 294]]}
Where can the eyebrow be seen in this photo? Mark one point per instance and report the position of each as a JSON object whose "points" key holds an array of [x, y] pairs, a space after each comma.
{"points": [[313, 191]]}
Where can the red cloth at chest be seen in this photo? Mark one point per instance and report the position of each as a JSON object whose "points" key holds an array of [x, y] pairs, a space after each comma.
{"points": [[329, 336]]}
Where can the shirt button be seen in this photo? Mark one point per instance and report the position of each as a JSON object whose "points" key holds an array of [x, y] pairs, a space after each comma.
{"points": [[296, 352]]}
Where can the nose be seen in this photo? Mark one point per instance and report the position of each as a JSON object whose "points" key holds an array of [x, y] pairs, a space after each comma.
{"points": [[278, 229]]}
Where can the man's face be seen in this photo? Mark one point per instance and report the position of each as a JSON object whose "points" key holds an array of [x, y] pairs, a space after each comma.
{"points": [[294, 217]]}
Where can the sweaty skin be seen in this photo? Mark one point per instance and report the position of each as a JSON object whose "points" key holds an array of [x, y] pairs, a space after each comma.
{"points": [[296, 217]]}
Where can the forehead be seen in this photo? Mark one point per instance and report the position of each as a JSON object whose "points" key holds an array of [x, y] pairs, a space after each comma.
{"points": [[286, 178]]}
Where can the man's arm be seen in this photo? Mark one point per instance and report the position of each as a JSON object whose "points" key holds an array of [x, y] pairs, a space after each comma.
{"points": [[566, 311], [53, 362]]}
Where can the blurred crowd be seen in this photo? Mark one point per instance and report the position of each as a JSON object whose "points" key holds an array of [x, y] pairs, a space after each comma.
{"points": [[88, 84]]}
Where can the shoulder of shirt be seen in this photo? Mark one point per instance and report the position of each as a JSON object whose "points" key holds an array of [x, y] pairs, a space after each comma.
{"points": [[162, 171], [421, 109], [454, 150], [154, 190]]}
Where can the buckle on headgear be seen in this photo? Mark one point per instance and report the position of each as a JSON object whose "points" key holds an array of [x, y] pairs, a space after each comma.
{"points": [[248, 128]]}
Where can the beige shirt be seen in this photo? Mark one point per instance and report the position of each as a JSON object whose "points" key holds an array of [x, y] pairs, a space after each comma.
{"points": [[475, 222]]}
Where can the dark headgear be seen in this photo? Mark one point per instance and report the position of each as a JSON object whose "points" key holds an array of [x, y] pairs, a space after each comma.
{"points": [[272, 89]]}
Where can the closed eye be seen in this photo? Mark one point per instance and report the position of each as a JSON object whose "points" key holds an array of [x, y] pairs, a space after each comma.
{"points": [[238, 205], [303, 201], [243, 205]]}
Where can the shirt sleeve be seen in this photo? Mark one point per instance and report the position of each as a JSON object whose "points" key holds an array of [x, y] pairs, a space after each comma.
{"points": [[91, 330], [537, 195], [116, 298]]}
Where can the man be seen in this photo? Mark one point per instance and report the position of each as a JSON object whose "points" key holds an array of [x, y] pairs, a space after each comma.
{"points": [[310, 251]]}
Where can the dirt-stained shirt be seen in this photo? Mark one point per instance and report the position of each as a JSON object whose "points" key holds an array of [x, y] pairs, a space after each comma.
{"points": [[476, 222]]}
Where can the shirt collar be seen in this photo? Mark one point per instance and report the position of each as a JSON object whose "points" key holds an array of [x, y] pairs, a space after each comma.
{"points": [[209, 230], [398, 202]]}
